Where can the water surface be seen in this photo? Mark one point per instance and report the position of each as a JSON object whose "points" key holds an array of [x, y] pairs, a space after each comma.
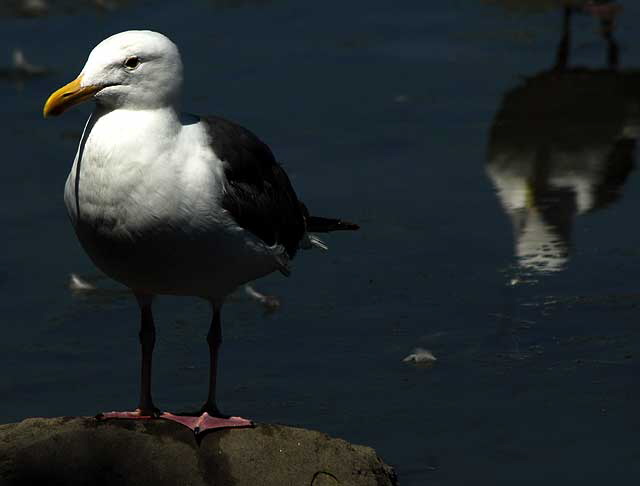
{"points": [[489, 153]]}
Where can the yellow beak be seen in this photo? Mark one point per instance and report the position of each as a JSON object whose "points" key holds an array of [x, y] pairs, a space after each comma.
{"points": [[67, 96]]}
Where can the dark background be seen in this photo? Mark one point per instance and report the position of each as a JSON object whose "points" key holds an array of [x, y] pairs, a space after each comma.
{"points": [[488, 150]]}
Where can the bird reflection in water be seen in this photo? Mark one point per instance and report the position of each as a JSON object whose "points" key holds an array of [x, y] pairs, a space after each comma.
{"points": [[562, 144]]}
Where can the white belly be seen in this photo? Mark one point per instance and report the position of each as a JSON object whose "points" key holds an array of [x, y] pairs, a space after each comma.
{"points": [[148, 215]]}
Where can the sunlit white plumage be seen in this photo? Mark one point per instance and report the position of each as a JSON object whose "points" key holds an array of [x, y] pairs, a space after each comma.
{"points": [[171, 203], [144, 190]]}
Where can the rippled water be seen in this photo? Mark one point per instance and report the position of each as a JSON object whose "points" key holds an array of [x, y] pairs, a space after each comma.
{"points": [[489, 151]]}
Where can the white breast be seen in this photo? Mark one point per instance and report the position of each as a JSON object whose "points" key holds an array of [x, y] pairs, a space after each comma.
{"points": [[143, 195]]}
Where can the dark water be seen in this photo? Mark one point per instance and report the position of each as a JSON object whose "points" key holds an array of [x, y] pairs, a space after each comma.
{"points": [[491, 161]]}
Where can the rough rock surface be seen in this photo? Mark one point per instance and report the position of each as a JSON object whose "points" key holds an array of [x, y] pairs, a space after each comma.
{"points": [[78, 451]]}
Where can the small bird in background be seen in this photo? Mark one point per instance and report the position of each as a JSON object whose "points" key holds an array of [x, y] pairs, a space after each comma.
{"points": [[170, 203]]}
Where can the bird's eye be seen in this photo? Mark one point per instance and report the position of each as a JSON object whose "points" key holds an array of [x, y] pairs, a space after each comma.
{"points": [[132, 62]]}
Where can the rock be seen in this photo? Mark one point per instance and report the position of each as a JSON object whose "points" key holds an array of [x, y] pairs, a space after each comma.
{"points": [[84, 451]]}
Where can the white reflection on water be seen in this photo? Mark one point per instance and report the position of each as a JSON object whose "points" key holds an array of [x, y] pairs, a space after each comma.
{"points": [[562, 145]]}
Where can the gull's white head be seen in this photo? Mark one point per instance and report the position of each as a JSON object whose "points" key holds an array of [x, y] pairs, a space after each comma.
{"points": [[137, 69]]}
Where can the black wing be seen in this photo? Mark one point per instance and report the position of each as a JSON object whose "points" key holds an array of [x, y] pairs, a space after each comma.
{"points": [[258, 193]]}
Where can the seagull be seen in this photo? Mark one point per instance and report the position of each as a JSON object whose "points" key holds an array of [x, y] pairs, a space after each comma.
{"points": [[171, 203]]}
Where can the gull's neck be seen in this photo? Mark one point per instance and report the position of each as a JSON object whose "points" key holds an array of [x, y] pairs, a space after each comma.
{"points": [[166, 113], [135, 125], [123, 139]]}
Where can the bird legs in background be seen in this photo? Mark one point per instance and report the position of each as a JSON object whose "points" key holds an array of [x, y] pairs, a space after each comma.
{"points": [[210, 417], [606, 12]]}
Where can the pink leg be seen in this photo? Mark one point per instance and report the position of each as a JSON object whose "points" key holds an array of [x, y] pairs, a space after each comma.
{"points": [[136, 414], [198, 423], [210, 417], [146, 409], [206, 422]]}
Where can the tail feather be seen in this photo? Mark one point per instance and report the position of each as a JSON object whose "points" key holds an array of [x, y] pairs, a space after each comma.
{"points": [[317, 242], [317, 224]]}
